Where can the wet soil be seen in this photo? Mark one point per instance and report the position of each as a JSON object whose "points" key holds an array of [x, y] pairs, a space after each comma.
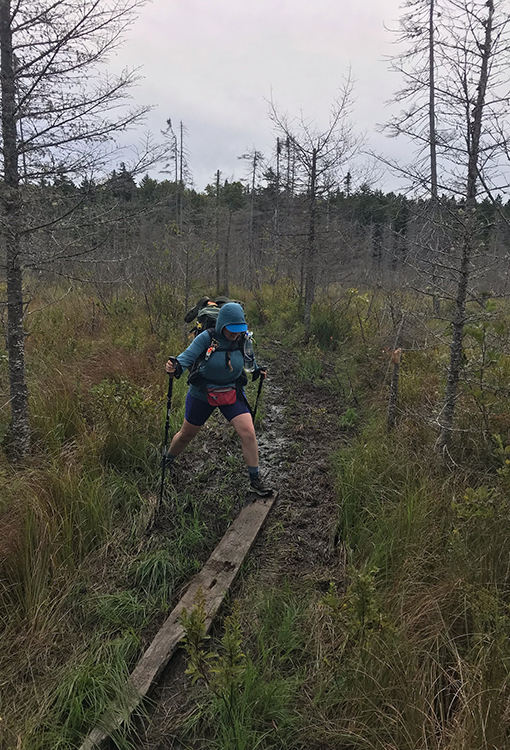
{"points": [[300, 431]]}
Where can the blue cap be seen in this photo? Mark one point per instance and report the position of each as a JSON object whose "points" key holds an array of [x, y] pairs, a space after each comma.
{"points": [[237, 328]]}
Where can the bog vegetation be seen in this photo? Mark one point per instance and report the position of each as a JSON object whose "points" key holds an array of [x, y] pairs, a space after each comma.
{"points": [[406, 647], [393, 304]]}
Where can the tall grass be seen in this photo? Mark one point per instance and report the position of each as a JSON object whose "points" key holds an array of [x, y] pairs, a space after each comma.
{"points": [[409, 648], [428, 667], [63, 517], [85, 687], [79, 576]]}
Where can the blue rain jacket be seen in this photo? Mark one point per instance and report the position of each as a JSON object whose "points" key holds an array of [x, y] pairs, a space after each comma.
{"points": [[225, 365]]}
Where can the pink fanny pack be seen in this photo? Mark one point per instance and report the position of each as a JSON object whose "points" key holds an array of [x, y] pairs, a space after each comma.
{"points": [[222, 396]]}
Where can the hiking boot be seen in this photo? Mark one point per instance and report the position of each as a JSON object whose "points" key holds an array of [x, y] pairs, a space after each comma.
{"points": [[258, 486]]}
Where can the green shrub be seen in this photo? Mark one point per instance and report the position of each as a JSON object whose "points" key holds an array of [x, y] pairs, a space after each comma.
{"points": [[330, 328], [242, 706]]}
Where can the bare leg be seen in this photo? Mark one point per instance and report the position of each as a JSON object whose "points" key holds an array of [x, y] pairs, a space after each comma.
{"points": [[243, 425], [183, 437]]}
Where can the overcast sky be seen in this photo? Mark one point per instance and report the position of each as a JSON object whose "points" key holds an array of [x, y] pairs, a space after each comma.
{"points": [[214, 64]]}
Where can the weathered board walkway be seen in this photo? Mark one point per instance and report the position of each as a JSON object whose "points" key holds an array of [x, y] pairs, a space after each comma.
{"points": [[214, 582]]}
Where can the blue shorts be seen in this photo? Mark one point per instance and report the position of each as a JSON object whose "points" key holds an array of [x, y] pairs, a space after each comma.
{"points": [[197, 412]]}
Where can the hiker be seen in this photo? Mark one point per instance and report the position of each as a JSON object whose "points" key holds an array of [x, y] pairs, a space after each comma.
{"points": [[218, 381]]}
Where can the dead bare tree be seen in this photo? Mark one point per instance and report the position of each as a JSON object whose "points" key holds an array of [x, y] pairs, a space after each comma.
{"points": [[320, 155], [59, 119], [419, 28], [471, 101], [475, 65], [254, 158]]}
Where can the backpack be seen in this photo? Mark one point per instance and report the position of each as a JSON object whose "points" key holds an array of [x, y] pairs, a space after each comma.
{"points": [[206, 312], [207, 317]]}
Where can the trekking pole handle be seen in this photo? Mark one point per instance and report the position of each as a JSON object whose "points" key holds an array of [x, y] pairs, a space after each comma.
{"points": [[260, 372], [177, 368]]}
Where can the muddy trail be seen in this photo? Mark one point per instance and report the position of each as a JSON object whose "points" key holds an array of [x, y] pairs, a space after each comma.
{"points": [[300, 430]]}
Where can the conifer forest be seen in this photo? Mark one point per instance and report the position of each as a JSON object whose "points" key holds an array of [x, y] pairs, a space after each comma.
{"points": [[373, 610]]}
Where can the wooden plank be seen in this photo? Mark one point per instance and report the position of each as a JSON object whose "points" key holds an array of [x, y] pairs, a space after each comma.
{"points": [[214, 581]]}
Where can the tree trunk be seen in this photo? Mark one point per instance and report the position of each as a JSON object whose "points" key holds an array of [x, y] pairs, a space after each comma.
{"points": [[217, 234], [253, 266], [311, 250], [432, 106], [456, 357], [11, 203], [469, 240], [226, 278], [276, 215], [180, 189], [436, 303]]}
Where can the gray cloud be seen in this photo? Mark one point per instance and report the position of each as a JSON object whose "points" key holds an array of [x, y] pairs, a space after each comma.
{"points": [[214, 64]]}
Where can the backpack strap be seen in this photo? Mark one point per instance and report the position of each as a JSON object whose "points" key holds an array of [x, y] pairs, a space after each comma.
{"points": [[194, 377], [212, 346]]}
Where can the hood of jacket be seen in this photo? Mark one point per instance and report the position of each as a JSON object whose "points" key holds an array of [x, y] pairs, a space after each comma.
{"points": [[230, 314]]}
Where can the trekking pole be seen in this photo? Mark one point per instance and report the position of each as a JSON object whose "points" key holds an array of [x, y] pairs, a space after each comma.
{"points": [[167, 429], [261, 383]]}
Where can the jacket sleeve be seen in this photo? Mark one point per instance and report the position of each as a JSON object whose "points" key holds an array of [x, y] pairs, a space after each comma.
{"points": [[197, 347]]}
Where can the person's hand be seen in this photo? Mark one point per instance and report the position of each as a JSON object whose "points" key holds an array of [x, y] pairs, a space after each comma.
{"points": [[173, 367], [260, 372]]}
